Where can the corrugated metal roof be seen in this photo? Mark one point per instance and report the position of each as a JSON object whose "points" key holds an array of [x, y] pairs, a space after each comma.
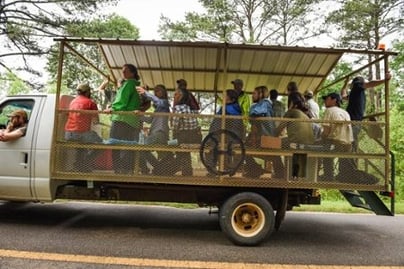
{"points": [[209, 66]]}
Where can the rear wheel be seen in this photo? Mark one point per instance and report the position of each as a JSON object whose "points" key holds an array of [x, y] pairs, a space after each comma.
{"points": [[247, 219]]}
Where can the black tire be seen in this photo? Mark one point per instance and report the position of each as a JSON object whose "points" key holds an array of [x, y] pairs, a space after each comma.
{"points": [[247, 219]]}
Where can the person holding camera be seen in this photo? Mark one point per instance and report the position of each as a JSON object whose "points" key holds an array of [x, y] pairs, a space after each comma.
{"points": [[357, 101]]}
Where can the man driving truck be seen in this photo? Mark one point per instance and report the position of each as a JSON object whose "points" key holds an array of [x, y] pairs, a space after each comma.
{"points": [[17, 126]]}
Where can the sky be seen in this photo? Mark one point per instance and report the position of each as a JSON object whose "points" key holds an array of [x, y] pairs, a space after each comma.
{"points": [[145, 14]]}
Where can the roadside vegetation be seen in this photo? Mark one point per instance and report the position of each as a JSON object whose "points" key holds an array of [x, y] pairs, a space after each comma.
{"points": [[340, 206], [333, 201]]}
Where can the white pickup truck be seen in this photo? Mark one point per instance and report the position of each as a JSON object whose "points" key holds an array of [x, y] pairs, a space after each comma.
{"points": [[25, 169], [37, 167]]}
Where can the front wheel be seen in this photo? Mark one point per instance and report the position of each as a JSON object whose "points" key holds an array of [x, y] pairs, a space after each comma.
{"points": [[247, 219]]}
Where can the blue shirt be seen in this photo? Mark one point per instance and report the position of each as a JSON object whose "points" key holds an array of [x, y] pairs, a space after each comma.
{"points": [[263, 108], [158, 122]]}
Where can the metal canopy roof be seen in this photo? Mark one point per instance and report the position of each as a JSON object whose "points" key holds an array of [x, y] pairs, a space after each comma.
{"points": [[208, 66]]}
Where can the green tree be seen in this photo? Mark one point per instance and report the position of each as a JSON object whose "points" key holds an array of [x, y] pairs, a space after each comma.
{"points": [[397, 146], [27, 27], [76, 71], [249, 21], [110, 26], [218, 24], [396, 115], [296, 21], [397, 66], [11, 84], [363, 24]]}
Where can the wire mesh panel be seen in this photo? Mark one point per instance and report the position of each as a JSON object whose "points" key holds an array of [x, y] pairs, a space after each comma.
{"points": [[223, 150]]}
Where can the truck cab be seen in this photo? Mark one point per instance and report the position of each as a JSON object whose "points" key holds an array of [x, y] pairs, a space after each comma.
{"points": [[25, 171]]}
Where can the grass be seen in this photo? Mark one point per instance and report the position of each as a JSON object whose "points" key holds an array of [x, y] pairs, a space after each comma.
{"points": [[343, 207]]}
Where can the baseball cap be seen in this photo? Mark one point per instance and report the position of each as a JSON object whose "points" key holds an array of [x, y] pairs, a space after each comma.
{"points": [[18, 113], [308, 93], [334, 95], [83, 87], [237, 81]]}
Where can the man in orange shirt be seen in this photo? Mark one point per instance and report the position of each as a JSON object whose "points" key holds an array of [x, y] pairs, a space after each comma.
{"points": [[78, 126]]}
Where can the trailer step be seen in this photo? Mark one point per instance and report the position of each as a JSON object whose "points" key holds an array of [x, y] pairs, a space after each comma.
{"points": [[355, 199], [376, 203], [368, 200]]}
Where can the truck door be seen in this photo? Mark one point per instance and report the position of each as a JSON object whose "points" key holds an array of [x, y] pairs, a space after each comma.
{"points": [[16, 164]]}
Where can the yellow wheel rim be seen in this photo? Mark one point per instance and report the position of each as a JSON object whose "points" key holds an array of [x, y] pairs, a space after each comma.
{"points": [[248, 219]]}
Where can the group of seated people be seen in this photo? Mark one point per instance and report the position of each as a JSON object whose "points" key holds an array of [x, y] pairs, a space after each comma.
{"points": [[336, 132], [128, 118], [300, 131]]}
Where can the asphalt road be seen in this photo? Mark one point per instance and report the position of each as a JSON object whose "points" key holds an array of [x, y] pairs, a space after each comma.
{"points": [[85, 235]]}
